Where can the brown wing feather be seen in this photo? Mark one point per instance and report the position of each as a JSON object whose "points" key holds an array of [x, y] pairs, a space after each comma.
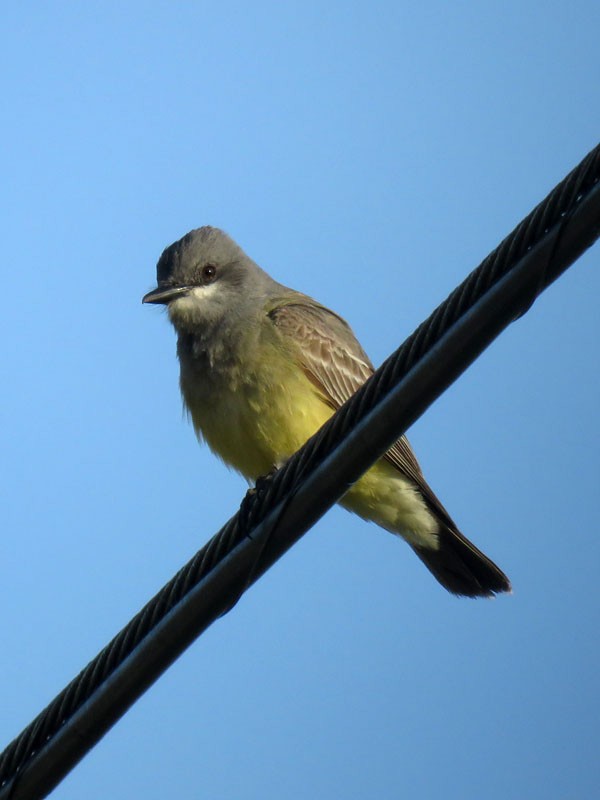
{"points": [[337, 365], [327, 349]]}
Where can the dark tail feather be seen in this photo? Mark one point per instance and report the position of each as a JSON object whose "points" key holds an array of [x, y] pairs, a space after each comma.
{"points": [[461, 568]]}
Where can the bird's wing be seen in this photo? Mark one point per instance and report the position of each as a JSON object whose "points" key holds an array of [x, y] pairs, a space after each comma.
{"points": [[328, 351], [336, 364]]}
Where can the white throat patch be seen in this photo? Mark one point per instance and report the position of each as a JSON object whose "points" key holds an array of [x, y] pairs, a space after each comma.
{"points": [[187, 308]]}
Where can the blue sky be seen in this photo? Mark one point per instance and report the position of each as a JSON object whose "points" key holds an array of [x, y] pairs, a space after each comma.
{"points": [[369, 154]]}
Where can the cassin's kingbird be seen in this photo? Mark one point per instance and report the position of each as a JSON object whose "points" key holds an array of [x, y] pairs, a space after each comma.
{"points": [[263, 367]]}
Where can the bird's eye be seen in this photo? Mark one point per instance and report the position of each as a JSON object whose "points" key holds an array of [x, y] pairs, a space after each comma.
{"points": [[209, 273]]}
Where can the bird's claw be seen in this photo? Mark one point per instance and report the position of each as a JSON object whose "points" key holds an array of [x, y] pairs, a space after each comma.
{"points": [[248, 506]]}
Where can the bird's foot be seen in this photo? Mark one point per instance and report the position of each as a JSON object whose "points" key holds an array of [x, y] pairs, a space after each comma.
{"points": [[249, 504]]}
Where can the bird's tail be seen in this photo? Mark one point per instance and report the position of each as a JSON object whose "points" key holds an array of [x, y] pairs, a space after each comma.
{"points": [[461, 568]]}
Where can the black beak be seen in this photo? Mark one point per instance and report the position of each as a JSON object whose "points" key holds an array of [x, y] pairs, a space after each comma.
{"points": [[164, 294]]}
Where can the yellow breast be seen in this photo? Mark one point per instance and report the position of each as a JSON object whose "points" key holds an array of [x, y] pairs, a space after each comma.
{"points": [[255, 419]]}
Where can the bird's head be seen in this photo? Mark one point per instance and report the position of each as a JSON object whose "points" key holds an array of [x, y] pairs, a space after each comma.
{"points": [[204, 278]]}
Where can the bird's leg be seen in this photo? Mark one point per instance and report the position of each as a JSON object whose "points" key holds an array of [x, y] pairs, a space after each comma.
{"points": [[248, 504], [263, 481]]}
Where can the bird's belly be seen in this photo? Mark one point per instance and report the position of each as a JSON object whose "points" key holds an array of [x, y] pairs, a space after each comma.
{"points": [[257, 422]]}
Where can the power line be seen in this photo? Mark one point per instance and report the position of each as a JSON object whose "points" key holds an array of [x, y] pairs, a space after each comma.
{"points": [[283, 508]]}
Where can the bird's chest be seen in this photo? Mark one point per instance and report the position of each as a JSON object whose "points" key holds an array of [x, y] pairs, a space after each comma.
{"points": [[253, 409]]}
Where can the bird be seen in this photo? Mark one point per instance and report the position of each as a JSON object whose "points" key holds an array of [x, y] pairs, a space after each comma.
{"points": [[262, 367]]}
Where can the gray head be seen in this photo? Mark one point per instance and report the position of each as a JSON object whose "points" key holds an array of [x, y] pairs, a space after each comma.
{"points": [[205, 278]]}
